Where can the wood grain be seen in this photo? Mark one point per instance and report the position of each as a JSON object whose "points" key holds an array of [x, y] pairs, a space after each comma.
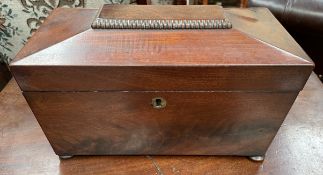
{"points": [[161, 12], [228, 97], [57, 28], [100, 47], [150, 59], [103, 78], [260, 23], [192, 123], [296, 149]]}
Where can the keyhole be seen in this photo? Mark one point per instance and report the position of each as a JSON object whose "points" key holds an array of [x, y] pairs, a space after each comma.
{"points": [[158, 102]]}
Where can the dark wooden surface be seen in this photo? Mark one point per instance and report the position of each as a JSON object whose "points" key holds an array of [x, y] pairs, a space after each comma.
{"points": [[192, 123], [71, 23], [257, 22], [150, 78], [227, 47], [260, 23], [296, 150], [159, 12], [5, 75]]}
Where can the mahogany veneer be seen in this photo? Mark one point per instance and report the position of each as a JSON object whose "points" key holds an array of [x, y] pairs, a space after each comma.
{"points": [[227, 91]]}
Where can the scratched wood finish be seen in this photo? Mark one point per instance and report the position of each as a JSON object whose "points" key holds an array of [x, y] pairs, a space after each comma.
{"points": [[192, 123]]}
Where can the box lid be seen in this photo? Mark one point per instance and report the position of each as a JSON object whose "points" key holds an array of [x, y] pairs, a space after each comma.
{"points": [[148, 59]]}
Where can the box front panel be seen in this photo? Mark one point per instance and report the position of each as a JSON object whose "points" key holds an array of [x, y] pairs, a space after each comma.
{"points": [[184, 123]]}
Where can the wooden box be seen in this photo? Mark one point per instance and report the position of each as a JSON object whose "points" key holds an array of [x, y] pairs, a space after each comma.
{"points": [[161, 91]]}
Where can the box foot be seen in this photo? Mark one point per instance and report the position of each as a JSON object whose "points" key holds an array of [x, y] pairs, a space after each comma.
{"points": [[257, 158], [65, 157]]}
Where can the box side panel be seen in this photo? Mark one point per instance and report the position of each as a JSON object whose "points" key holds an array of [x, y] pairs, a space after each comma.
{"points": [[159, 78], [192, 123]]}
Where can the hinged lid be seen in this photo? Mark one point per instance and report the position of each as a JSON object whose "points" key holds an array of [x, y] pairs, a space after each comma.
{"points": [[154, 60]]}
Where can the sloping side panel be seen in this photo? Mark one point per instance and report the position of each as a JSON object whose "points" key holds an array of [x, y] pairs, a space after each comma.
{"points": [[260, 23], [60, 25], [139, 60]]}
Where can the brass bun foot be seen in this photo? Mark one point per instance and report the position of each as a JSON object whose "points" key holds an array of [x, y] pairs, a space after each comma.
{"points": [[257, 158], [65, 157]]}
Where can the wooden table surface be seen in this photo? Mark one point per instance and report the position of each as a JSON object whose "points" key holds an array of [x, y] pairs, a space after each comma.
{"points": [[297, 148]]}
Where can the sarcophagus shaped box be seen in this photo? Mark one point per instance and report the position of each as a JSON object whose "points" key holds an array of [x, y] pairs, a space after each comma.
{"points": [[161, 80]]}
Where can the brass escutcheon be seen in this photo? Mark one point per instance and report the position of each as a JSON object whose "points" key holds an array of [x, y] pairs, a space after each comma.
{"points": [[158, 102]]}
